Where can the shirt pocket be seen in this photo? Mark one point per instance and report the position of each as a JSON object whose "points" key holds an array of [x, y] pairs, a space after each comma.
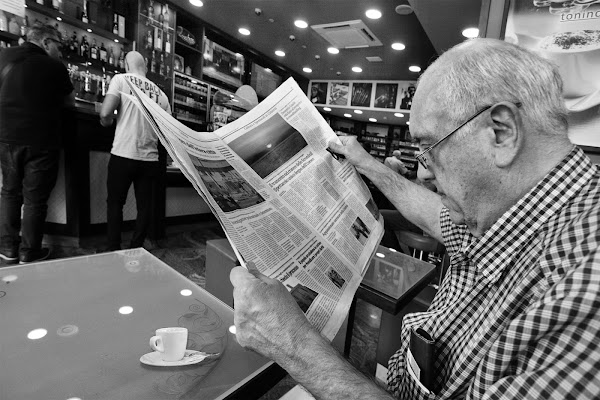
{"points": [[413, 389]]}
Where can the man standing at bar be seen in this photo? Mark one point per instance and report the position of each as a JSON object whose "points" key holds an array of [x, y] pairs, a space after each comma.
{"points": [[34, 88], [517, 315], [134, 153]]}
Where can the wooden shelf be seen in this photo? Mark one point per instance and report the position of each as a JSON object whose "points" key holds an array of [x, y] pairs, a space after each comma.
{"points": [[49, 12], [179, 45]]}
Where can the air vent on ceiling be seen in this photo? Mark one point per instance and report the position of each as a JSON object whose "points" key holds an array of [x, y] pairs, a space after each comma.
{"points": [[374, 59], [347, 34]]}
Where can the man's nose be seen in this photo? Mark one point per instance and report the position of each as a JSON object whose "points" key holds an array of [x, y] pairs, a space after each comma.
{"points": [[423, 174]]}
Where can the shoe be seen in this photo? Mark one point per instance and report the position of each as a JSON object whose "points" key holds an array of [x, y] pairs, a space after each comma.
{"points": [[9, 254], [34, 255]]}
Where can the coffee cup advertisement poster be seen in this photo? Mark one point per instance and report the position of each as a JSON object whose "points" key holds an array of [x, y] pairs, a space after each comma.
{"points": [[568, 34]]}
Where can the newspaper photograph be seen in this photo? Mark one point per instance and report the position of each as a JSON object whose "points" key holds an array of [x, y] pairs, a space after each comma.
{"points": [[286, 204]]}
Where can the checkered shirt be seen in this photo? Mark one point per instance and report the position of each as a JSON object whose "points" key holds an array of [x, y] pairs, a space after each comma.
{"points": [[518, 313]]}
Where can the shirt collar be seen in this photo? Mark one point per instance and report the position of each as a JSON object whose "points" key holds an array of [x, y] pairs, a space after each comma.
{"points": [[519, 224]]}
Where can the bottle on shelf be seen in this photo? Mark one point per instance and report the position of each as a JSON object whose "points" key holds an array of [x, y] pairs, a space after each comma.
{"points": [[87, 82], [103, 53], [167, 43], [111, 57], [84, 14], [122, 59], [115, 27], [158, 39], [84, 47], [161, 17], [94, 50], [166, 17], [161, 67], [73, 43], [104, 83], [149, 40], [153, 62], [150, 12]]}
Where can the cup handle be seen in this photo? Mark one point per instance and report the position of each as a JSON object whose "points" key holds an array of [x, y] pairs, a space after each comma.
{"points": [[157, 344]]}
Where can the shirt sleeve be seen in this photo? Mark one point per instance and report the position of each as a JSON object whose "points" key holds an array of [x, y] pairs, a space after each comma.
{"points": [[552, 349]]}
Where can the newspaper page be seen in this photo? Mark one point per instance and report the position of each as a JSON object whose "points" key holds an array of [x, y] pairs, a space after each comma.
{"points": [[286, 204]]}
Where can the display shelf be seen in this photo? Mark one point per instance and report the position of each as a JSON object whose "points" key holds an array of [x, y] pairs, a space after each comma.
{"points": [[194, 105], [192, 120], [179, 45], [187, 89], [49, 12]]}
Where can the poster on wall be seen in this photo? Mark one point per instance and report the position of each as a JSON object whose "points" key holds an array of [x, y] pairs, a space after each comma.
{"points": [[406, 97], [385, 95], [338, 93], [567, 33], [318, 92], [361, 94]]}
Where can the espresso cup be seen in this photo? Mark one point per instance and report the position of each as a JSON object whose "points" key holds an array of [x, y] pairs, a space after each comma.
{"points": [[170, 343]]}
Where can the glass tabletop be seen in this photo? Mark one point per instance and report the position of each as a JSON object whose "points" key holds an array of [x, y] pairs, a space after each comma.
{"points": [[76, 328]]}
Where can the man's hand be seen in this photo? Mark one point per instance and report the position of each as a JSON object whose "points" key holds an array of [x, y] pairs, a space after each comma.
{"points": [[354, 152], [267, 318]]}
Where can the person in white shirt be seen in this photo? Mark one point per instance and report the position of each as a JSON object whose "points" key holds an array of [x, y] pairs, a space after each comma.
{"points": [[134, 153]]}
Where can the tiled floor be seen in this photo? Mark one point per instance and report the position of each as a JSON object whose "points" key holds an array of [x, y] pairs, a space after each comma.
{"points": [[184, 249]]}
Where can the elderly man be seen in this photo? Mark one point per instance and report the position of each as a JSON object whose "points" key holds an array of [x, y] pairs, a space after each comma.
{"points": [[518, 313]]}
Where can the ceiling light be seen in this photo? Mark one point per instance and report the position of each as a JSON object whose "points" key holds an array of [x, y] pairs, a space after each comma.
{"points": [[372, 120], [301, 24], [306, 69], [470, 33], [58, 18], [414, 68], [373, 14], [333, 50], [407, 122], [89, 30], [348, 115], [268, 69], [244, 31], [279, 53], [196, 3], [357, 69], [399, 115], [357, 111], [326, 109], [116, 40], [398, 46]]}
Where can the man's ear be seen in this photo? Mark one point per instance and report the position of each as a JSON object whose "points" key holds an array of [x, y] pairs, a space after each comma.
{"points": [[508, 135]]}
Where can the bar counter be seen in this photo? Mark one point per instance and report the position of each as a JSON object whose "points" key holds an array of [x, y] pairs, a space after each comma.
{"points": [[77, 206]]}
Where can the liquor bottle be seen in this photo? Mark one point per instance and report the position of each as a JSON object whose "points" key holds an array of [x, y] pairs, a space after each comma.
{"points": [[55, 4], [158, 38], [161, 67], [150, 12], [111, 57], [87, 82], [122, 59], [149, 40], [161, 17], [104, 83], [73, 43], [153, 62], [103, 53], [167, 43], [166, 17], [84, 47], [115, 28], [94, 50], [84, 15]]}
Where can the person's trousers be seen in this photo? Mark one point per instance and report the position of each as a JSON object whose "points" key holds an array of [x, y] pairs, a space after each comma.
{"points": [[122, 172], [28, 177]]}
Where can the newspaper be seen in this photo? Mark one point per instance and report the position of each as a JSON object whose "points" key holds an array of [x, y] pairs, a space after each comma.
{"points": [[286, 204]]}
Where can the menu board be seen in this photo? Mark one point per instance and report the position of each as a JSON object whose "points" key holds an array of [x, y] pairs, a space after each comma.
{"points": [[568, 34]]}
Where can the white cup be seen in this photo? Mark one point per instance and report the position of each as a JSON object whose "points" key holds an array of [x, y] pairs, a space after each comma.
{"points": [[170, 343]]}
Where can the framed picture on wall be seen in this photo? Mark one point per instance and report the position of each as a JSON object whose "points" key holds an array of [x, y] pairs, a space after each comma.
{"points": [[318, 92], [361, 94], [221, 64], [338, 94], [264, 81], [385, 95], [406, 96]]}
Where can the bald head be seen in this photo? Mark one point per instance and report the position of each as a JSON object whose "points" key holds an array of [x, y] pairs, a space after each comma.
{"points": [[481, 72], [135, 64]]}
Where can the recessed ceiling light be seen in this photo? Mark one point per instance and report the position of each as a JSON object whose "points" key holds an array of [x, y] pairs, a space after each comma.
{"points": [[196, 3], [306, 69], [348, 115], [399, 115], [333, 50], [89, 30], [470, 33], [58, 18], [326, 109], [373, 14], [414, 68], [268, 69], [301, 24], [398, 46], [407, 122], [116, 40], [372, 120], [357, 111], [244, 31], [357, 69], [279, 53]]}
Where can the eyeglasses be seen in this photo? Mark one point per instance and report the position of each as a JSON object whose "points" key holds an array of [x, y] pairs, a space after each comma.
{"points": [[422, 159]]}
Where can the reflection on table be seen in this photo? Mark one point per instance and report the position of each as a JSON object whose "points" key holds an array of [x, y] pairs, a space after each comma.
{"points": [[76, 329]]}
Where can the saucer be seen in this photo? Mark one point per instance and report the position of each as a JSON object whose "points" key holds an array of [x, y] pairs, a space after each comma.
{"points": [[190, 357]]}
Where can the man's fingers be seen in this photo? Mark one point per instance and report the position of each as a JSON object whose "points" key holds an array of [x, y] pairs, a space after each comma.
{"points": [[240, 276], [253, 269]]}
